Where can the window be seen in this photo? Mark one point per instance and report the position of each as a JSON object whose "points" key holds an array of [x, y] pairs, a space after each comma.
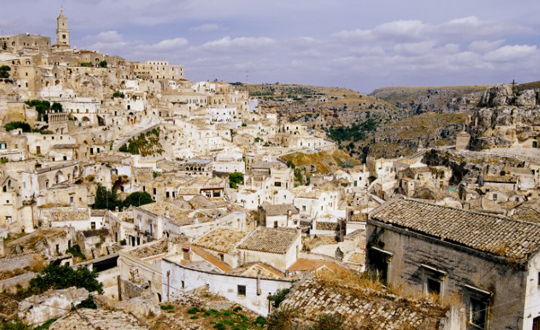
{"points": [[433, 286], [242, 290], [222, 257], [478, 313], [277, 184], [8, 219], [93, 225]]}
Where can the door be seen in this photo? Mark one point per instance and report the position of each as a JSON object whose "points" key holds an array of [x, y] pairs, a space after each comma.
{"points": [[536, 323]]}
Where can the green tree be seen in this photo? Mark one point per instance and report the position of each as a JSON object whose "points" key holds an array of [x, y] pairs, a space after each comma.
{"points": [[86, 64], [57, 107], [42, 107], [137, 199], [63, 277], [4, 71], [103, 64], [106, 199], [118, 94], [18, 124], [235, 178]]}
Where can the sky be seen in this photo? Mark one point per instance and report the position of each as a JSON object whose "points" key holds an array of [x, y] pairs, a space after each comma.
{"points": [[357, 44]]}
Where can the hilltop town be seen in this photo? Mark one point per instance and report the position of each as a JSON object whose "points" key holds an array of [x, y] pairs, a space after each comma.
{"points": [[134, 198]]}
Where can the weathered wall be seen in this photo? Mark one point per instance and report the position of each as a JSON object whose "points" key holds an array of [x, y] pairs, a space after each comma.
{"points": [[463, 266], [223, 284]]}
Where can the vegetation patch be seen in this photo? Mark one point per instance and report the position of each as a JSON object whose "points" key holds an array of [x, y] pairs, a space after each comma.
{"points": [[146, 144]]}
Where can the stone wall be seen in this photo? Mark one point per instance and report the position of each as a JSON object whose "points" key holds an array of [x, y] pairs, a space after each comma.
{"points": [[463, 268]]}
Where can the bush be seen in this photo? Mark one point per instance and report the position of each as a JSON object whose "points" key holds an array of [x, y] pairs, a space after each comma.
{"points": [[88, 303], [167, 307], [282, 319], [18, 124], [63, 277], [15, 325], [278, 298], [328, 322], [193, 310], [260, 321], [57, 107], [76, 252], [42, 107], [235, 178], [103, 64], [86, 64], [4, 71], [137, 199], [118, 94]]}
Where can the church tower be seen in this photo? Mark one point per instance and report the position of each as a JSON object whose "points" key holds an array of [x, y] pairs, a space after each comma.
{"points": [[62, 31]]}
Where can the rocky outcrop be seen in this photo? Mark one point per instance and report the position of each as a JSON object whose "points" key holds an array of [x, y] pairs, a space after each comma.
{"points": [[418, 100], [504, 95]]}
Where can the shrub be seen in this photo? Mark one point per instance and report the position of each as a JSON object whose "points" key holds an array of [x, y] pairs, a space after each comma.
{"points": [[235, 178], [118, 94], [62, 277], [18, 124], [137, 199], [103, 64], [193, 310], [278, 298], [76, 252], [57, 107], [88, 303], [15, 325], [168, 307], [282, 319], [4, 71], [86, 64], [328, 322], [261, 321]]}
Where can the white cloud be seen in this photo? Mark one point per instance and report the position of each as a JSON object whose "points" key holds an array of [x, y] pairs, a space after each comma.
{"points": [[109, 36], [484, 46], [512, 53], [206, 28], [237, 43]]}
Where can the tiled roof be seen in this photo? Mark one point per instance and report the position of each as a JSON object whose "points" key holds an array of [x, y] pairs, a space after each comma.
{"points": [[280, 209], [361, 308], [69, 215], [92, 319], [500, 236], [272, 240], [220, 239]]}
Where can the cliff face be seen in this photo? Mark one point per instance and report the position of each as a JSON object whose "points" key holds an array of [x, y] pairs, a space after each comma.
{"points": [[416, 100], [506, 117]]}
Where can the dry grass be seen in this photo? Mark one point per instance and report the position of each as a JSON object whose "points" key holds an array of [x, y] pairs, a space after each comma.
{"points": [[324, 161]]}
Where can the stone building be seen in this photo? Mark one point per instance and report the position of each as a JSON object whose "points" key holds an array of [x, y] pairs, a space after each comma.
{"points": [[491, 263]]}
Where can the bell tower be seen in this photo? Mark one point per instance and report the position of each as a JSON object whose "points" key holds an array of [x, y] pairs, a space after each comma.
{"points": [[62, 31]]}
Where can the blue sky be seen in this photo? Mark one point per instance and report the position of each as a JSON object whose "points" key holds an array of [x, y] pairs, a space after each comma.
{"points": [[357, 44]]}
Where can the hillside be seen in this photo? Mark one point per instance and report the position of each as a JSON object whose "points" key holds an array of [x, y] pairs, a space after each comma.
{"points": [[317, 106], [438, 99]]}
